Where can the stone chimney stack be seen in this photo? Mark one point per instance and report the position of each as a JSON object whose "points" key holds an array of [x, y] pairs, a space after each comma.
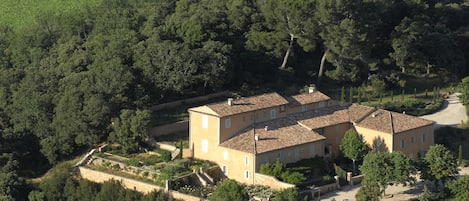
{"points": [[311, 89], [266, 128], [230, 101]]}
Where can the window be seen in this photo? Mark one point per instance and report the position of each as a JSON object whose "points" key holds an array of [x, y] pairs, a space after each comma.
{"points": [[321, 104], [246, 174], [337, 140], [413, 139], [337, 128], [225, 155], [377, 143], [320, 131], [282, 108], [297, 153], [244, 119], [312, 150], [273, 114], [225, 169], [423, 137], [204, 146], [265, 159], [265, 114], [402, 143], [204, 121], [304, 108], [281, 155], [228, 123], [246, 160]]}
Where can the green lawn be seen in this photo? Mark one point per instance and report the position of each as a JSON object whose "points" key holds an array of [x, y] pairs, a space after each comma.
{"points": [[175, 139], [21, 13]]}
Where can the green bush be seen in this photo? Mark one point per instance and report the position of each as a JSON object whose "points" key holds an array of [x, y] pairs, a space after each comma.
{"points": [[340, 172], [133, 162], [292, 177], [166, 156]]}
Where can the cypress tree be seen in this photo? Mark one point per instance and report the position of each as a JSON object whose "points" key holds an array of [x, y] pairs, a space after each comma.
{"points": [[342, 94], [351, 95]]}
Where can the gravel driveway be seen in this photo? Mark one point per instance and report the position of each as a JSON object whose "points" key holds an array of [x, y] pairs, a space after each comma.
{"points": [[451, 114]]}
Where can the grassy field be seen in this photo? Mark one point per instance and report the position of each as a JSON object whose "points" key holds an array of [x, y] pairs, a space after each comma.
{"points": [[21, 13]]}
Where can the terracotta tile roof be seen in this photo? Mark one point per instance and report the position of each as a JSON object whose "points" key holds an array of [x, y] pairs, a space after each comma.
{"points": [[281, 133], [308, 98], [392, 122], [323, 117], [248, 104], [358, 112]]}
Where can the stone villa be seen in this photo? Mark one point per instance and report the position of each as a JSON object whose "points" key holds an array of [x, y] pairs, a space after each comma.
{"points": [[241, 134]]}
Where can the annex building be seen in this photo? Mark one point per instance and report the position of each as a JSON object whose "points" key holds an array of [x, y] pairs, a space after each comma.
{"points": [[241, 134]]}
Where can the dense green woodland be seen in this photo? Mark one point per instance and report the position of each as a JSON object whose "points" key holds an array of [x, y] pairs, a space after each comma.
{"points": [[71, 79]]}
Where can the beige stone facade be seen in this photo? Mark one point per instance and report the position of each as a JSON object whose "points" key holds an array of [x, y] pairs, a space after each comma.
{"points": [[242, 134]]}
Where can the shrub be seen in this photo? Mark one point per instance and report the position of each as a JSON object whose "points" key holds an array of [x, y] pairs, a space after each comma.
{"points": [[292, 177], [166, 156], [133, 162], [290, 194], [340, 172], [229, 190]]}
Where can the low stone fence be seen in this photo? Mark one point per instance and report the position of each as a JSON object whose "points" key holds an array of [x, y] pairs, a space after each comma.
{"points": [[356, 180], [143, 187], [327, 188], [166, 147], [272, 182], [169, 128], [189, 101]]}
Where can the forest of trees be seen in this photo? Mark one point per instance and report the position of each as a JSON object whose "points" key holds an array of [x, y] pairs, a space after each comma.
{"points": [[64, 78]]}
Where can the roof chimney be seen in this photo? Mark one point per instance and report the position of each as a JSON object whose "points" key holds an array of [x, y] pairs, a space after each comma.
{"points": [[266, 128], [311, 89], [230, 101], [256, 137]]}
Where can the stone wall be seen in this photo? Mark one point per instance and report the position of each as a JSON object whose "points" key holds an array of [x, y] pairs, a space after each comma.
{"points": [[356, 179], [169, 128], [187, 153], [272, 182], [143, 187], [189, 101]]}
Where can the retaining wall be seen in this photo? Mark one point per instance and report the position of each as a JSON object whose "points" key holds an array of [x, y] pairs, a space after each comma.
{"points": [[189, 101], [169, 128], [270, 181], [100, 177]]}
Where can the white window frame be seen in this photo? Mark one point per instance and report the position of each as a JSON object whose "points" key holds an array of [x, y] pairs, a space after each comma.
{"points": [[273, 114], [225, 155], [246, 174], [246, 160], [402, 143], [204, 145], [413, 139], [424, 136], [204, 121], [228, 123]]}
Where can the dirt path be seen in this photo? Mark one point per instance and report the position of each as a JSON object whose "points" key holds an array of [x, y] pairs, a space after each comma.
{"points": [[452, 113]]}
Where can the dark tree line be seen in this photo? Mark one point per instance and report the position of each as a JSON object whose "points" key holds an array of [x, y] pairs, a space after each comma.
{"points": [[66, 77]]}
